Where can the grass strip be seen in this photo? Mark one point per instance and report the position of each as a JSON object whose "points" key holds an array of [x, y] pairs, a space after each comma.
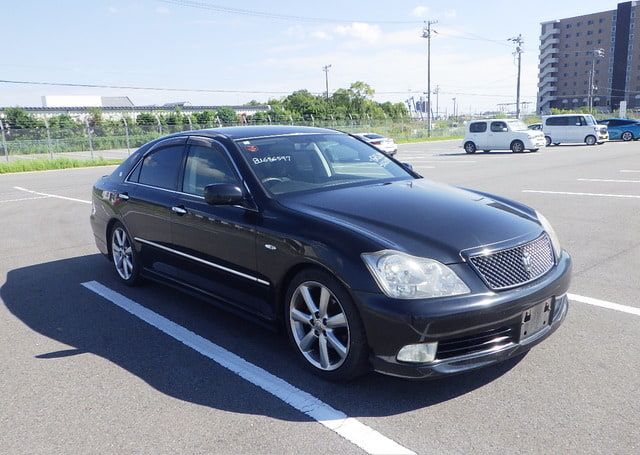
{"points": [[28, 165]]}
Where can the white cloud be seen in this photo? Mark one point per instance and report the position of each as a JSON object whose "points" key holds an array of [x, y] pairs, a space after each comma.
{"points": [[450, 13], [112, 9], [360, 31], [420, 11], [321, 35], [162, 10]]}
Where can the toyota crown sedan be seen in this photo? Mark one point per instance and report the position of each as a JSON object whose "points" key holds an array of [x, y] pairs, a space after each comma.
{"points": [[364, 263]]}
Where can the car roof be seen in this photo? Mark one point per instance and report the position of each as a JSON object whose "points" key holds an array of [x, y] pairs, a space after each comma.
{"points": [[494, 120], [251, 132], [564, 115]]}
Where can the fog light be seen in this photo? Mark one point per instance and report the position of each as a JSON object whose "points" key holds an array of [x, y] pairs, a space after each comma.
{"points": [[418, 353]]}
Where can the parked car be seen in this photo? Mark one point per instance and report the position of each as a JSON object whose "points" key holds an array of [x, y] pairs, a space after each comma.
{"points": [[501, 134], [573, 128], [386, 144], [364, 263], [622, 128], [535, 126]]}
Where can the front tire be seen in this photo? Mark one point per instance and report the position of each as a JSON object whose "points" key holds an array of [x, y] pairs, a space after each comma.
{"points": [[517, 147], [627, 136], [470, 147], [547, 140], [124, 255], [324, 326], [590, 140]]}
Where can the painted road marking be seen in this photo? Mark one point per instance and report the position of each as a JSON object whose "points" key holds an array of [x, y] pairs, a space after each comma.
{"points": [[609, 180], [52, 195], [349, 428], [24, 199], [628, 196], [604, 304], [629, 170]]}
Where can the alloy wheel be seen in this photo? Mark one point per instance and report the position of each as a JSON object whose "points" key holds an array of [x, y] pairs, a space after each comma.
{"points": [[319, 326], [627, 136], [122, 253], [590, 140]]}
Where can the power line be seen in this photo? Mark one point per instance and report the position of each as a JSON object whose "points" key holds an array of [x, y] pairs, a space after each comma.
{"points": [[133, 87], [268, 15], [202, 90]]}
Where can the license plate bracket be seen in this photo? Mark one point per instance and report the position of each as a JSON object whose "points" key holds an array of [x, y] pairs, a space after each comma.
{"points": [[535, 319]]}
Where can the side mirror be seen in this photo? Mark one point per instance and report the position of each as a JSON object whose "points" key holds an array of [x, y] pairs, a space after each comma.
{"points": [[408, 166], [223, 194]]}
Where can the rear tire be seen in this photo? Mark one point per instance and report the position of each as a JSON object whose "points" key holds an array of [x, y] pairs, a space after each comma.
{"points": [[124, 255], [627, 136], [547, 139], [517, 146], [338, 350], [486, 151], [590, 140], [470, 147]]}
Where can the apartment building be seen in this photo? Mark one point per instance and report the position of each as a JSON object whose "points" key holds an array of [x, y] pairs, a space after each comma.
{"points": [[599, 50]]}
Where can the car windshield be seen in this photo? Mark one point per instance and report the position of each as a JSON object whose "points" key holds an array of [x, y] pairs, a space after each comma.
{"points": [[590, 120], [517, 125], [289, 164]]}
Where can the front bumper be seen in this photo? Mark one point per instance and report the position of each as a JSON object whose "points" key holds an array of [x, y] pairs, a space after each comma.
{"points": [[391, 324]]}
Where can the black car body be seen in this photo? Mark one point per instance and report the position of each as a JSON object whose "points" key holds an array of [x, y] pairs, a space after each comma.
{"points": [[245, 251]]}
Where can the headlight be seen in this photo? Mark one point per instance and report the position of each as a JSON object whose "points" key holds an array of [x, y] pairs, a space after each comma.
{"points": [[555, 241], [402, 276]]}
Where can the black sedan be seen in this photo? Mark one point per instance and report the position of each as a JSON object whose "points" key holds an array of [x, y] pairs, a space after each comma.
{"points": [[364, 263]]}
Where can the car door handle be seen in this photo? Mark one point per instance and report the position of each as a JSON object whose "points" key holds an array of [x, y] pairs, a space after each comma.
{"points": [[123, 196], [179, 210]]}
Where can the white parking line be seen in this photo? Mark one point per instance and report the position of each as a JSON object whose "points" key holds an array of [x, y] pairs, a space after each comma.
{"points": [[609, 180], [629, 170], [24, 199], [349, 428], [52, 195], [605, 304], [629, 196]]}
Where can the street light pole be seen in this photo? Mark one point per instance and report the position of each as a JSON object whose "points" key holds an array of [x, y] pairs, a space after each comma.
{"points": [[436, 92], [455, 113], [426, 33], [597, 53], [326, 78], [519, 42]]}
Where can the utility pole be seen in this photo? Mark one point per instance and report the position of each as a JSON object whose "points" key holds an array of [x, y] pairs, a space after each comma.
{"points": [[455, 113], [518, 53], [326, 78], [426, 33], [597, 53], [436, 92]]}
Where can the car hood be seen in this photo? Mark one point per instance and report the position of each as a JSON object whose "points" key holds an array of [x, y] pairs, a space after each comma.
{"points": [[420, 217]]}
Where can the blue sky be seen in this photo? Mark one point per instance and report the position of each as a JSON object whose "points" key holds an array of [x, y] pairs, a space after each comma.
{"points": [[158, 44]]}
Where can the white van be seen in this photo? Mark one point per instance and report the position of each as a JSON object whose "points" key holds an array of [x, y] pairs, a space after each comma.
{"points": [[573, 128], [501, 134]]}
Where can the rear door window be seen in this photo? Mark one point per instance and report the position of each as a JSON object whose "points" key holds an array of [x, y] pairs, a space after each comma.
{"points": [[478, 127], [161, 167]]}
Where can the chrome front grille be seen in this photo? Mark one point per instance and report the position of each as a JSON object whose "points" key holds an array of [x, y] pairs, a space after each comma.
{"points": [[515, 266]]}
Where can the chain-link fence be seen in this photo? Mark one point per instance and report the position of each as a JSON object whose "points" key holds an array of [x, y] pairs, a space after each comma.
{"points": [[116, 139]]}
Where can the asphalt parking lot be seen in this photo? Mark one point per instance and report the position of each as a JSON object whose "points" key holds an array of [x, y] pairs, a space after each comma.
{"points": [[151, 370]]}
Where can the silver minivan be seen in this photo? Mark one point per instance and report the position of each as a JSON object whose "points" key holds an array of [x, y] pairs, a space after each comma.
{"points": [[573, 128]]}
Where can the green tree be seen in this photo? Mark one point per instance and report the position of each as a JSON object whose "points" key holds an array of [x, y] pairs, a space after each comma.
{"points": [[18, 118], [227, 115], [146, 119]]}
